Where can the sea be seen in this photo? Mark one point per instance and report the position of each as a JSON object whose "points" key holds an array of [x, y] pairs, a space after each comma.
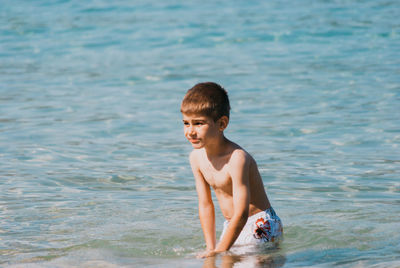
{"points": [[94, 168]]}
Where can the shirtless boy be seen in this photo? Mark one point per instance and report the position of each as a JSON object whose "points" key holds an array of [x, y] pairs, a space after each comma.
{"points": [[230, 171]]}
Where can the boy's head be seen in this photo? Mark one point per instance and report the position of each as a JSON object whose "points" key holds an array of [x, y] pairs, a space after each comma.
{"points": [[209, 99]]}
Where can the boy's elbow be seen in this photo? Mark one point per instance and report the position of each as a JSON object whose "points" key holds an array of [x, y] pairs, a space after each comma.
{"points": [[206, 205], [244, 217], [241, 218], [245, 213]]}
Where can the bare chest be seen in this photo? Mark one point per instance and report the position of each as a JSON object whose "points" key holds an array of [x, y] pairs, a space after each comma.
{"points": [[219, 179]]}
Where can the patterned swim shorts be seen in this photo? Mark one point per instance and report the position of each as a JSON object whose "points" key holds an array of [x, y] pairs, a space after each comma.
{"points": [[263, 228]]}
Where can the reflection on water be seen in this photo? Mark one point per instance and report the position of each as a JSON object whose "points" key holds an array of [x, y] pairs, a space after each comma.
{"points": [[249, 261]]}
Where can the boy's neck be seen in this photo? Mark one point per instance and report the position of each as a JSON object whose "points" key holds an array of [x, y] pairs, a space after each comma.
{"points": [[218, 148]]}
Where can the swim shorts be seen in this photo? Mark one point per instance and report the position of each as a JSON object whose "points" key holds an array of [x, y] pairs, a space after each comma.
{"points": [[261, 229]]}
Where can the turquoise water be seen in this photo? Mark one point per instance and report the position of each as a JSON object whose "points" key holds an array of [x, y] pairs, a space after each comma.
{"points": [[93, 161]]}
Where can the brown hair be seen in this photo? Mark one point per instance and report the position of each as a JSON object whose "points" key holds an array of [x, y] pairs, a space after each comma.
{"points": [[209, 99]]}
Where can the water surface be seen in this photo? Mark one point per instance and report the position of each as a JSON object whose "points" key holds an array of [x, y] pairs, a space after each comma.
{"points": [[94, 166]]}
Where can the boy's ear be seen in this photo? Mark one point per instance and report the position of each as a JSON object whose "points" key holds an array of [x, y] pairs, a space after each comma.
{"points": [[223, 122]]}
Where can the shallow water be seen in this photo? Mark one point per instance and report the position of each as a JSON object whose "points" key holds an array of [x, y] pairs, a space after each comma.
{"points": [[93, 162]]}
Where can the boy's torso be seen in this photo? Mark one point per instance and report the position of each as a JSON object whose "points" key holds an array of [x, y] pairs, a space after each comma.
{"points": [[216, 172]]}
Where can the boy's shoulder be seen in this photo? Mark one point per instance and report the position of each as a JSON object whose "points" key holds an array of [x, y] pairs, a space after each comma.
{"points": [[195, 157], [236, 155], [239, 156], [194, 153]]}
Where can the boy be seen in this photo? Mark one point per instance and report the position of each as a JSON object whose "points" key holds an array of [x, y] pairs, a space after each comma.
{"points": [[230, 171]]}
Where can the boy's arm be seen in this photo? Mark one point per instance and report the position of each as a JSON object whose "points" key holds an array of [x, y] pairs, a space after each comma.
{"points": [[206, 205], [239, 172]]}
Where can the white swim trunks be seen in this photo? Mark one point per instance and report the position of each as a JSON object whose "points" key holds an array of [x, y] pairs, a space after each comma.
{"points": [[262, 229]]}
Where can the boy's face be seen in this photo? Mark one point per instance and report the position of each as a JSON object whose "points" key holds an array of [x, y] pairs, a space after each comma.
{"points": [[201, 130]]}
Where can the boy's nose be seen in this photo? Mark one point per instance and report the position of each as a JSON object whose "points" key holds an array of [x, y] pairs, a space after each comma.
{"points": [[191, 130]]}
